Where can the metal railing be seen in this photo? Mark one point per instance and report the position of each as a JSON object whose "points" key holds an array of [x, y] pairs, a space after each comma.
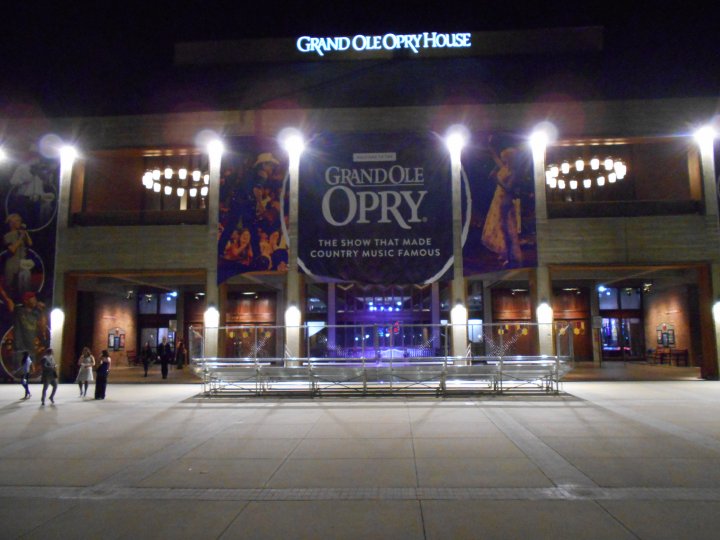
{"points": [[381, 358]]}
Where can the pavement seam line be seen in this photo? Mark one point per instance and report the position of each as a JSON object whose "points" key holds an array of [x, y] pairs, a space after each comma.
{"points": [[560, 471]]}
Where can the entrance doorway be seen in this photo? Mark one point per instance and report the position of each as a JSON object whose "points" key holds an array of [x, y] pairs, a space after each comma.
{"points": [[622, 338], [622, 332]]}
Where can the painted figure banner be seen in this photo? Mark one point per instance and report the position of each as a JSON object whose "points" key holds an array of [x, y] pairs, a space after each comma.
{"points": [[28, 193], [375, 208], [251, 237], [500, 231]]}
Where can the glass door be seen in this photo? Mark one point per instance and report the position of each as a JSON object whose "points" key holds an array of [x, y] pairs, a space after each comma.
{"points": [[622, 338]]}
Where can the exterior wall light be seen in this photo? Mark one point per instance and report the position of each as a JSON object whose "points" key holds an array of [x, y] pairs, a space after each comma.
{"points": [[716, 312], [57, 319], [215, 149], [456, 138], [292, 316], [291, 139], [68, 155], [544, 313], [705, 135], [459, 314], [211, 317]]}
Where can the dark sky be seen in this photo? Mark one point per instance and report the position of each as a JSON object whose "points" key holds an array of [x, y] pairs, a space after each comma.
{"points": [[58, 56]]}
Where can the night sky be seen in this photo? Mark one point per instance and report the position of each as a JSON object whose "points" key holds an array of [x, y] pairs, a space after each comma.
{"points": [[64, 58]]}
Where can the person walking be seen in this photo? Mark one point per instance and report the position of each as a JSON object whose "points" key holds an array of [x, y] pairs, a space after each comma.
{"points": [[85, 375], [147, 356], [26, 370], [103, 371], [49, 375], [165, 352]]}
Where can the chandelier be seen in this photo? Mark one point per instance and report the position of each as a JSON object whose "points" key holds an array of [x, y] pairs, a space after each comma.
{"points": [[176, 171], [595, 171], [180, 181]]}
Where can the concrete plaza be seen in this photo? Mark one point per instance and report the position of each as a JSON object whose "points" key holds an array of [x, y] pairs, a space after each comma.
{"points": [[603, 460]]}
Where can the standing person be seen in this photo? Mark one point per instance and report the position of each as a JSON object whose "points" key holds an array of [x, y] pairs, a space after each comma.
{"points": [[180, 354], [49, 375], [85, 375], [26, 368], [147, 356], [103, 371], [165, 352]]}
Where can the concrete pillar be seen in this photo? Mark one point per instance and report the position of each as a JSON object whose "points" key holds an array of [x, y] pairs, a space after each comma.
{"points": [[293, 311], [458, 292], [487, 314], [458, 320], [59, 308], [707, 166], [541, 293], [709, 285], [331, 317], [596, 339], [435, 314], [212, 297], [180, 316], [538, 152], [709, 300]]}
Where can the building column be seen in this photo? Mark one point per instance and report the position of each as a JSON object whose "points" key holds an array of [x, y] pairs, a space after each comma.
{"points": [[709, 285], [538, 144], [540, 283], [541, 298], [596, 338], [331, 316], [458, 289], [706, 144], [709, 300], [487, 314], [293, 315], [59, 305], [294, 145], [180, 316], [435, 314], [212, 296]]}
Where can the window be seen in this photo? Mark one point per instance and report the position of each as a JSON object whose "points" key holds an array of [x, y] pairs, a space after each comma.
{"points": [[661, 177], [118, 188]]}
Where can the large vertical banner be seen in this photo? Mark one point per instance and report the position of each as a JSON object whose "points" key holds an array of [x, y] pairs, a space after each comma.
{"points": [[501, 231], [251, 237], [375, 208], [28, 194]]}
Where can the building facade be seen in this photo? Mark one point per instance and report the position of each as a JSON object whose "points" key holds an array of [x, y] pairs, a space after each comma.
{"points": [[627, 252]]}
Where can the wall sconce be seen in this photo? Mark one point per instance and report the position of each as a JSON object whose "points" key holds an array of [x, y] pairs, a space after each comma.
{"points": [[716, 311], [292, 316], [458, 314], [211, 317], [544, 313]]}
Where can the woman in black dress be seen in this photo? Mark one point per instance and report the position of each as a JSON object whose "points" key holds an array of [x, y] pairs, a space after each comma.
{"points": [[102, 375]]}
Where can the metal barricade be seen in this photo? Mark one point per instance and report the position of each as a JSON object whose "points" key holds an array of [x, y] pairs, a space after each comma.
{"points": [[383, 359]]}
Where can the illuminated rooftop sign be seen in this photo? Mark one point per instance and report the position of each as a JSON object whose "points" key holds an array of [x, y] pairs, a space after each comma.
{"points": [[388, 42]]}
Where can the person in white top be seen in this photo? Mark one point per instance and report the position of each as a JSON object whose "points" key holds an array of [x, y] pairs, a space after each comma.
{"points": [[85, 375], [26, 370]]}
